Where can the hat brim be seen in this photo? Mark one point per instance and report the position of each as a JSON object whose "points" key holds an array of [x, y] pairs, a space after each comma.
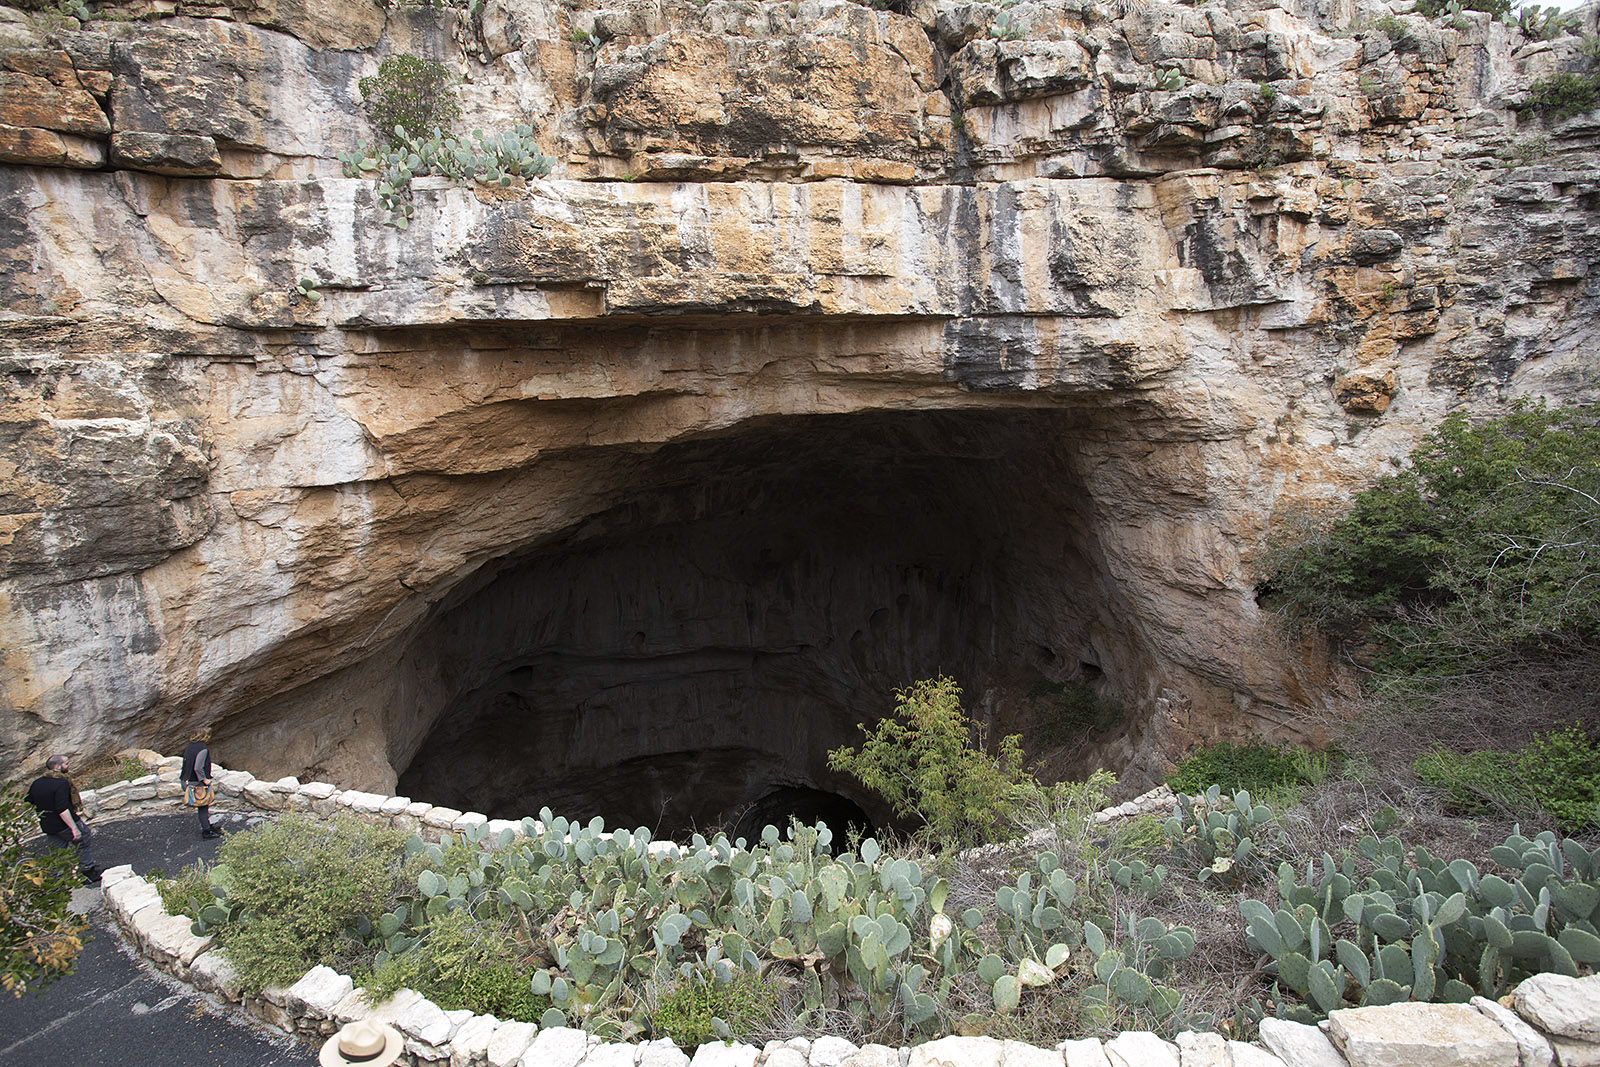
{"points": [[393, 1046]]}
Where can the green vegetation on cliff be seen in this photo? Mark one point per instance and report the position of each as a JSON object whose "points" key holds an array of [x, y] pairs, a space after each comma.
{"points": [[1484, 550]]}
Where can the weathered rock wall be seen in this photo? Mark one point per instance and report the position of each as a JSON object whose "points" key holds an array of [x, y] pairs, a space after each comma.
{"points": [[1212, 261]]}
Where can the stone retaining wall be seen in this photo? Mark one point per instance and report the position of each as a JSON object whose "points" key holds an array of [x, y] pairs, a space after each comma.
{"points": [[1549, 1021]]}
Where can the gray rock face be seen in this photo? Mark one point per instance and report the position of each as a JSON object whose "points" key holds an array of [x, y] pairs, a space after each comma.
{"points": [[977, 340]]}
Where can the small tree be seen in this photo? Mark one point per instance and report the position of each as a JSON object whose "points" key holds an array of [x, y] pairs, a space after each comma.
{"points": [[39, 937], [417, 95], [930, 762]]}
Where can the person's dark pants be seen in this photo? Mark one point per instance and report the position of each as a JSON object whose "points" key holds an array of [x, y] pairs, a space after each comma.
{"points": [[204, 815], [85, 836]]}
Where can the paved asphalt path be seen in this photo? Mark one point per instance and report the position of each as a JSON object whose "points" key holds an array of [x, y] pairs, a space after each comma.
{"points": [[115, 1010]]}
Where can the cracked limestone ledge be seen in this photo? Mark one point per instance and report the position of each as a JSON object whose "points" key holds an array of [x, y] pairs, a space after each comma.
{"points": [[1549, 1020]]}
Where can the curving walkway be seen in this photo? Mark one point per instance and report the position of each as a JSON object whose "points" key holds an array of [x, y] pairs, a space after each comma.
{"points": [[115, 1009]]}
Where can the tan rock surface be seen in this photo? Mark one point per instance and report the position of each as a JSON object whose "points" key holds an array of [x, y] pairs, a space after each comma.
{"points": [[979, 340]]}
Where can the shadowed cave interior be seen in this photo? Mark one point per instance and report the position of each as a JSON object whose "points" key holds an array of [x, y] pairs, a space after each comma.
{"points": [[686, 659]]}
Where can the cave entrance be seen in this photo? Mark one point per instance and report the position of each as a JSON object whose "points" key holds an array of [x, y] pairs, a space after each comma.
{"points": [[689, 656]]}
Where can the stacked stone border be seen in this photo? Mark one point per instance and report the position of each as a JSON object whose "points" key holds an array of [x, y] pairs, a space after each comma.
{"points": [[1549, 1021]]}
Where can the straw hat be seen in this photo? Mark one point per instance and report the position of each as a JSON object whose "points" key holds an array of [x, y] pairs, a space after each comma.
{"points": [[363, 1042]]}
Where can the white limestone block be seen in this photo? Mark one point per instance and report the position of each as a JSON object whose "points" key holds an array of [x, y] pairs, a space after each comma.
{"points": [[1022, 1054], [873, 1056], [612, 1054], [318, 790], [110, 801], [510, 1041], [717, 1054], [470, 1046], [286, 784], [129, 895], [801, 1045], [1141, 1048], [319, 992], [418, 808], [440, 818], [496, 826], [780, 1056], [1562, 1006], [426, 1023], [1421, 1035], [394, 1007], [169, 763], [830, 1051], [169, 774], [112, 875], [1084, 1052], [662, 1053], [1203, 1050], [231, 783], [142, 792], [1533, 1050], [263, 796], [168, 790], [1570, 1053], [212, 972], [361, 803], [1245, 1055], [352, 1007], [394, 805], [1299, 1045], [559, 1046], [173, 938], [468, 820]]}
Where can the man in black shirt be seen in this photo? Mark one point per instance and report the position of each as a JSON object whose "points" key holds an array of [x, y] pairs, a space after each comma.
{"points": [[60, 815]]}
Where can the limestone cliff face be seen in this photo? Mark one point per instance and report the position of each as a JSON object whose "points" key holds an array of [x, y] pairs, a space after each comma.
{"points": [[842, 346]]}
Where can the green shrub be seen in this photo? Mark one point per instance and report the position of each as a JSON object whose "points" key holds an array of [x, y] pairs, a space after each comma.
{"points": [[1062, 714], [1434, 8], [417, 95], [39, 937], [928, 761], [303, 888], [186, 892], [1480, 553], [689, 1011], [1562, 96], [1258, 769], [463, 963], [1557, 773]]}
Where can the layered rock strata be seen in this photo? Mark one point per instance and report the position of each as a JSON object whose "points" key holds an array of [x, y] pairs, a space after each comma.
{"points": [[841, 347]]}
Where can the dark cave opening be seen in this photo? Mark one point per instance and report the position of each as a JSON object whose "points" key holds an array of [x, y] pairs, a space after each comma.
{"points": [[689, 656]]}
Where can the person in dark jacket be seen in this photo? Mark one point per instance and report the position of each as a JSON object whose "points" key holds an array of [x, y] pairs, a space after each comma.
{"points": [[61, 814], [197, 772]]}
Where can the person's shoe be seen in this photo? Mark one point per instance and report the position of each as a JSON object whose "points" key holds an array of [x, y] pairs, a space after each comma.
{"points": [[91, 875], [213, 832]]}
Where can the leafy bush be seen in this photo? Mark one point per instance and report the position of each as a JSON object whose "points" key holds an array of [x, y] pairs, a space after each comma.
{"points": [[929, 762], [1480, 553], [464, 963], [39, 938], [1255, 768], [1435, 8], [690, 1011], [1563, 95], [410, 94], [186, 893], [1062, 714], [303, 889], [1557, 773]]}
